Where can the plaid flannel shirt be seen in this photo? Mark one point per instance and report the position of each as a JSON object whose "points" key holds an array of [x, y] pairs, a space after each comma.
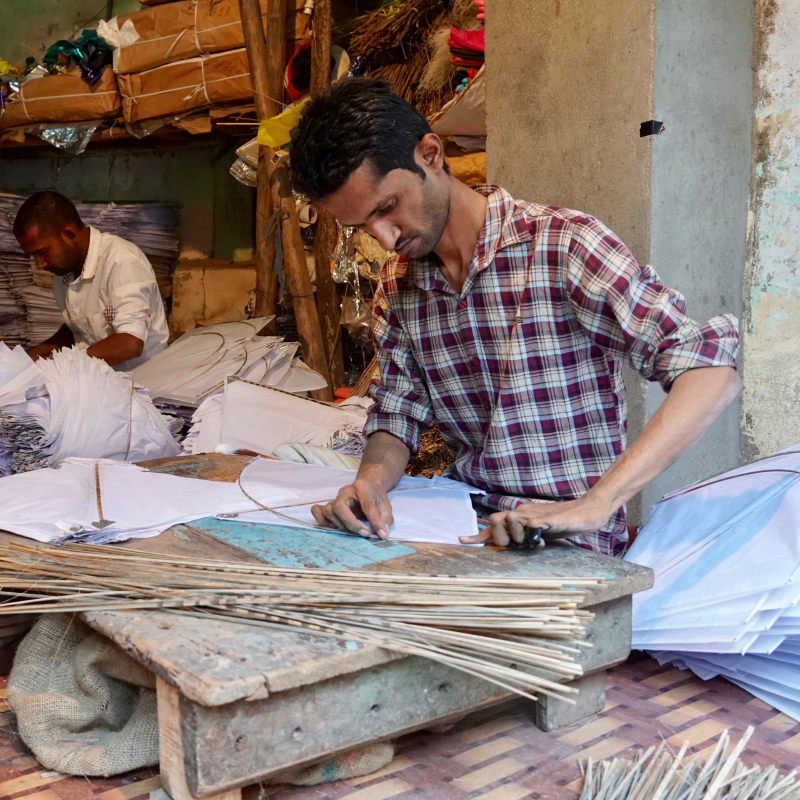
{"points": [[522, 371]]}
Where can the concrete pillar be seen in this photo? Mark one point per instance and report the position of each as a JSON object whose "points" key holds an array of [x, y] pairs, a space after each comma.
{"points": [[771, 320], [569, 85]]}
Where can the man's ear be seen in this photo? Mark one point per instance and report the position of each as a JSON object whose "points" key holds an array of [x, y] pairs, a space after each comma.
{"points": [[431, 151], [69, 232]]}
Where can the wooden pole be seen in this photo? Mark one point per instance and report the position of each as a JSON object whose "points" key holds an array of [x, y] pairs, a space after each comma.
{"points": [[298, 282], [265, 57], [328, 304]]}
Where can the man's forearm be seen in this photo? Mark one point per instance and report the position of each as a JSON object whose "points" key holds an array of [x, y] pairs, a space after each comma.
{"points": [[117, 348], [384, 461], [696, 399]]}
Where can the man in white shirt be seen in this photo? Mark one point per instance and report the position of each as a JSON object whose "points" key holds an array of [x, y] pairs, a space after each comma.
{"points": [[105, 286]]}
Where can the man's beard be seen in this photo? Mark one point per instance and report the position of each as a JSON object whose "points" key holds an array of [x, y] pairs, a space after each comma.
{"points": [[436, 210]]}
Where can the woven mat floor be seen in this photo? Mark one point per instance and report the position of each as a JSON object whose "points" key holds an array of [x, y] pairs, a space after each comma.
{"points": [[499, 757]]}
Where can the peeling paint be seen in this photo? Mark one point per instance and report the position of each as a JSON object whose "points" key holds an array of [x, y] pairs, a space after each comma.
{"points": [[770, 331]]}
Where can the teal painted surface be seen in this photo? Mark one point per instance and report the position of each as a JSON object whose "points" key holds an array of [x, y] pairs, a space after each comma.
{"points": [[295, 547]]}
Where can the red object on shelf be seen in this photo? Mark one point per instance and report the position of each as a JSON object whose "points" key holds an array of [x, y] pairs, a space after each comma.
{"points": [[343, 393], [467, 40]]}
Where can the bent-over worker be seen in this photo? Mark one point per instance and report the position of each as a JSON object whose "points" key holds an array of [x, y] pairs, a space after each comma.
{"points": [[506, 323], [104, 285]]}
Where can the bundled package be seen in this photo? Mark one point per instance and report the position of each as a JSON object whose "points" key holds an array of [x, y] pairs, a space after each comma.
{"points": [[63, 98], [188, 28], [194, 83]]}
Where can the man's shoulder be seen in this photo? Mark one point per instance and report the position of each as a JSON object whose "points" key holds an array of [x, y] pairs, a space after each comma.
{"points": [[115, 252]]}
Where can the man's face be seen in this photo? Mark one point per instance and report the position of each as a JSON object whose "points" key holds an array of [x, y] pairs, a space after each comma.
{"points": [[402, 211], [56, 252]]}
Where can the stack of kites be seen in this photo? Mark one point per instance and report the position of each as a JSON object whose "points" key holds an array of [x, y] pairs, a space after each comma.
{"points": [[726, 598], [28, 310], [72, 405], [198, 364]]}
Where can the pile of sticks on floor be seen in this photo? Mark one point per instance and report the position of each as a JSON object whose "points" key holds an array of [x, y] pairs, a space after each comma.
{"points": [[520, 633], [657, 775]]}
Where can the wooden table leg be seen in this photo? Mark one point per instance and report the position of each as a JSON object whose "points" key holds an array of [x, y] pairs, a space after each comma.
{"points": [[551, 713], [170, 748]]}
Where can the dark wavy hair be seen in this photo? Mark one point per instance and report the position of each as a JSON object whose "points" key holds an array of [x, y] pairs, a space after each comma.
{"points": [[353, 121], [49, 211]]}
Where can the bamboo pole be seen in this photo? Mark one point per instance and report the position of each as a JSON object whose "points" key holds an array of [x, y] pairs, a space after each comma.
{"points": [[298, 282], [328, 305], [265, 58]]}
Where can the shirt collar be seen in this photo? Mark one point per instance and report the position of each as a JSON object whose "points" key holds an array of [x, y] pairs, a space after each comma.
{"points": [[92, 255], [505, 225]]}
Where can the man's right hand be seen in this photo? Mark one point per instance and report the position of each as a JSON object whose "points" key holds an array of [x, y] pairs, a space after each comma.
{"points": [[363, 499], [42, 351]]}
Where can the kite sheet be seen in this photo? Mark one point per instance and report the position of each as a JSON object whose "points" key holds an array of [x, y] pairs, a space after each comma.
{"points": [[102, 501], [726, 557]]}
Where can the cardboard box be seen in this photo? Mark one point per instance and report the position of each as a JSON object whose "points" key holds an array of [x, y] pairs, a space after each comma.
{"points": [[195, 83], [63, 98], [186, 29], [209, 291]]}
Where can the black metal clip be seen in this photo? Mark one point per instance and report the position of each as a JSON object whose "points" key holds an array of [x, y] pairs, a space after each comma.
{"points": [[532, 539]]}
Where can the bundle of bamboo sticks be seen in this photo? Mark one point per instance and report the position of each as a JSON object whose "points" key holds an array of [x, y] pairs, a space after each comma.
{"points": [[521, 634], [656, 775]]}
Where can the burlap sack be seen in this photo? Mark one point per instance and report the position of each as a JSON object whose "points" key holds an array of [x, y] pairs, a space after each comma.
{"points": [[83, 706], [63, 98], [185, 85], [189, 28]]}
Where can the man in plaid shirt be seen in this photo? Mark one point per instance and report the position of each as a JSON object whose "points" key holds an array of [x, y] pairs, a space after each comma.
{"points": [[507, 324]]}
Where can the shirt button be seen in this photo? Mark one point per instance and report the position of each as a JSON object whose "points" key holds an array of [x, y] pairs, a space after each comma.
{"points": [[475, 361], [462, 304]]}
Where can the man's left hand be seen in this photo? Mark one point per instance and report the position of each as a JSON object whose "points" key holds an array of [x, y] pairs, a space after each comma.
{"points": [[557, 520]]}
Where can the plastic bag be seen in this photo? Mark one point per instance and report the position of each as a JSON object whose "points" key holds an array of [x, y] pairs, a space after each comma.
{"points": [[88, 51]]}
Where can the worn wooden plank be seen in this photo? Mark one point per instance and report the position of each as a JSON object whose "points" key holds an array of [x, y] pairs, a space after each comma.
{"points": [[242, 743], [213, 661], [171, 752]]}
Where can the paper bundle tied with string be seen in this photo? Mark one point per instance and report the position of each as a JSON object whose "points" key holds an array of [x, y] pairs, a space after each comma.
{"points": [[188, 28], [186, 85], [63, 98]]}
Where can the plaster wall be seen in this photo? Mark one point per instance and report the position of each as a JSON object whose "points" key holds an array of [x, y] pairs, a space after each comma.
{"points": [[29, 27], [569, 85], [771, 323], [700, 177]]}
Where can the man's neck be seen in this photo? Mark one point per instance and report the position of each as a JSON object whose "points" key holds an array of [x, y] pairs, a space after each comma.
{"points": [[456, 246], [83, 240]]}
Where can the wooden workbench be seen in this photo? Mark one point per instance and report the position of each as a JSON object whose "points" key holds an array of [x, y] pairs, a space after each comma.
{"points": [[239, 703]]}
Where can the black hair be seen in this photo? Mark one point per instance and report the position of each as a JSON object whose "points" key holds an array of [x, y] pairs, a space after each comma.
{"points": [[353, 121], [48, 211]]}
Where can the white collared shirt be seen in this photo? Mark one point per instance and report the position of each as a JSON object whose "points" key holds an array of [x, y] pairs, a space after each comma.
{"points": [[116, 292]]}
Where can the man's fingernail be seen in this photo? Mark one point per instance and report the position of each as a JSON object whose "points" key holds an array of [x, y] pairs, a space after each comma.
{"points": [[364, 532]]}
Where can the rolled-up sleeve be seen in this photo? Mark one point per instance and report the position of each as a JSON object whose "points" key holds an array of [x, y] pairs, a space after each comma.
{"points": [[132, 289], [402, 403], [629, 313]]}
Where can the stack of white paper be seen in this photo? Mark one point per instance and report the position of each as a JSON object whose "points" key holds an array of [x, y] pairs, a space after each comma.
{"points": [[259, 418], [197, 365], [101, 501], [726, 554], [73, 405]]}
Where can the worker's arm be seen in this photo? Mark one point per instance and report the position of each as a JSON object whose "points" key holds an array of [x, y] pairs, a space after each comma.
{"points": [[696, 399], [61, 338], [117, 348], [382, 465]]}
